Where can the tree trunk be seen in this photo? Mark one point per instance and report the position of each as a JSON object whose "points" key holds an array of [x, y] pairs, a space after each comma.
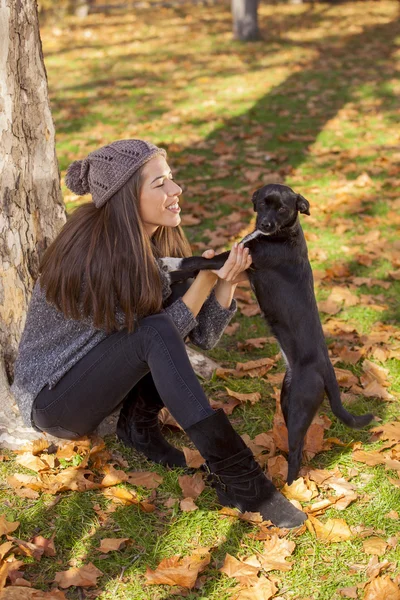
{"points": [[31, 205], [245, 20]]}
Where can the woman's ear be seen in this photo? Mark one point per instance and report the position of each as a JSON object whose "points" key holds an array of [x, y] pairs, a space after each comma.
{"points": [[302, 205], [254, 199]]}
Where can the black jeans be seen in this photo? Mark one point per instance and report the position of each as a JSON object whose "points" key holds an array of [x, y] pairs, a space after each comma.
{"points": [[96, 385]]}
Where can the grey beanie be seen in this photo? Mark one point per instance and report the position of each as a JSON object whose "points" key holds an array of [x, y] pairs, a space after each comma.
{"points": [[104, 171]]}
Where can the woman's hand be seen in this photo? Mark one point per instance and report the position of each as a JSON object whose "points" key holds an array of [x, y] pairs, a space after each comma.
{"points": [[234, 269]]}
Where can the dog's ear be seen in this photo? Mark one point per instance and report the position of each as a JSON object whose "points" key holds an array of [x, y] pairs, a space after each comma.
{"points": [[302, 205], [254, 199]]}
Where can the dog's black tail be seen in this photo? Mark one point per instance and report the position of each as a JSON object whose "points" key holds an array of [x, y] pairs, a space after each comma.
{"points": [[333, 392]]}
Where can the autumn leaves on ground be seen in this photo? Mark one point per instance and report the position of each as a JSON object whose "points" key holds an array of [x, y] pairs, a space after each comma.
{"points": [[313, 105]]}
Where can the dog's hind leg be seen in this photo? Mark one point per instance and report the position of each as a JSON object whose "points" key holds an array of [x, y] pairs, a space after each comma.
{"points": [[301, 400]]}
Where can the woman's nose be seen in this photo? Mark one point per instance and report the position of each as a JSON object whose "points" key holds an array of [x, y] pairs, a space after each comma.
{"points": [[175, 189]]}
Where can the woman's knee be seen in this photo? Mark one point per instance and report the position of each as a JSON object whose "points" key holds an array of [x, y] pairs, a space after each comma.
{"points": [[161, 322]]}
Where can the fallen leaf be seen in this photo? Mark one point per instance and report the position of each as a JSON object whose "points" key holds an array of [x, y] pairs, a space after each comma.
{"points": [[371, 458], [112, 544], [345, 377], [188, 505], [349, 592], [245, 573], [178, 571], [193, 457], [382, 588], [375, 545], [253, 397], [191, 486], [147, 479], [85, 576], [17, 592], [5, 549], [28, 548], [7, 526], [274, 554], [278, 467], [264, 589], [298, 490], [334, 530], [46, 543]]}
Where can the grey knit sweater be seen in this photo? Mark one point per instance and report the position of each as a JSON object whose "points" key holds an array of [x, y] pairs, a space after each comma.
{"points": [[51, 343]]}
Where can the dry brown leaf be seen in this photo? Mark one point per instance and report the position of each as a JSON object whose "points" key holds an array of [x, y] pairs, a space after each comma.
{"points": [[243, 572], [124, 496], [85, 576], [371, 458], [382, 588], [7, 526], [71, 478], [147, 479], [112, 544], [232, 329], [349, 592], [46, 543], [113, 476], [329, 306], [255, 364], [345, 377], [188, 505], [264, 589], [375, 545], [275, 552], [227, 406], [334, 530], [375, 568], [388, 431], [298, 490], [253, 343], [28, 548], [5, 549], [374, 389], [191, 486], [193, 457], [178, 571], [34, 463], [16, 592], [253, 397], [278, 467], [9, 566]]}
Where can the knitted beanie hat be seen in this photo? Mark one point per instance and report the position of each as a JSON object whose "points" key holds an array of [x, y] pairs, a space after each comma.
{"points": [[104, 171]]}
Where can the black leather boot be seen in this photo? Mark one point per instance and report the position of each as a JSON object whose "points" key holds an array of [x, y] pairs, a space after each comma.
{"points": [[237, 477], [138, 426]]}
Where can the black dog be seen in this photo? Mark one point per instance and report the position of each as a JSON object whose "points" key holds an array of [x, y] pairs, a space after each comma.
{"points": [[281, 278]]}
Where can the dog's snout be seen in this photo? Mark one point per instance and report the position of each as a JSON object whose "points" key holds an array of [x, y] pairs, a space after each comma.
{"points": [[266, 224]]}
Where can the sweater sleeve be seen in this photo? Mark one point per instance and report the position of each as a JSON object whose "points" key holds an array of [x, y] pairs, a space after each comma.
{"points": [[211, 322]]}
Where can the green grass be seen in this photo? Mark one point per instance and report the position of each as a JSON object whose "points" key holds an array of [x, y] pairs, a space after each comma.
{"points": [[309, 95]]}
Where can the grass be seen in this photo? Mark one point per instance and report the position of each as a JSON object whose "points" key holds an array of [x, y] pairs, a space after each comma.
{"points": [[318, 94]]}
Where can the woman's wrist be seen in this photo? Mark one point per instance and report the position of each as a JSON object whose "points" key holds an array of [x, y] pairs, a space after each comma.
{"points": [[224, 291]]}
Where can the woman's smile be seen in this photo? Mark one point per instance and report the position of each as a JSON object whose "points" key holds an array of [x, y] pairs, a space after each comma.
{"points": [[175, 208]]}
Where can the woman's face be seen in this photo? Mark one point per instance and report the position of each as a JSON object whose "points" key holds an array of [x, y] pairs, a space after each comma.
{"points": [[159, 197]]}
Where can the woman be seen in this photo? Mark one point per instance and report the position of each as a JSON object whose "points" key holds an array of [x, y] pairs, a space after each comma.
{"points": [[100, 330]]}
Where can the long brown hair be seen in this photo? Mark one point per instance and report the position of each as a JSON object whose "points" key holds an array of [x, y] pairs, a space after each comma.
{"points": [[103, 259]]}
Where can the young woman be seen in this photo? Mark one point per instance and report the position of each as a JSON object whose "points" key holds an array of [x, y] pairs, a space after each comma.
{"points": [[104, 327]]}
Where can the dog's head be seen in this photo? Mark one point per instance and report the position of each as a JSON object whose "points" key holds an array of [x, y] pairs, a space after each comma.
{"points": [[277, 206]]}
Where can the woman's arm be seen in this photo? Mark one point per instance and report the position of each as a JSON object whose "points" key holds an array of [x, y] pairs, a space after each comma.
{"points": [[199, 291]]}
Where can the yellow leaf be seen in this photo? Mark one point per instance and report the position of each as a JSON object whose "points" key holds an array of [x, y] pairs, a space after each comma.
{"points": [[334, 530], [298, 490]]}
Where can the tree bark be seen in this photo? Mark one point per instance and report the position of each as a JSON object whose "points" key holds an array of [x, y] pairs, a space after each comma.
{"points": [[31, 205], [245, 20]]}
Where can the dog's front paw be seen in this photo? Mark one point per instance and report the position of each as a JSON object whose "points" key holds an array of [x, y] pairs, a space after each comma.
{"points": [[169, 264]]}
